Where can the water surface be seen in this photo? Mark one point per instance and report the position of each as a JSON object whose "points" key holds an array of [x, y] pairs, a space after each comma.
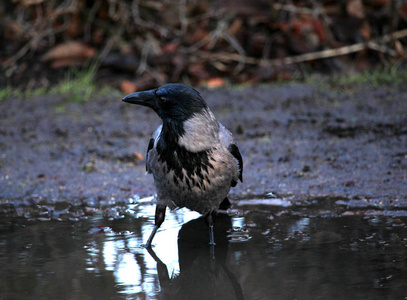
{"points": [[265, 250]]}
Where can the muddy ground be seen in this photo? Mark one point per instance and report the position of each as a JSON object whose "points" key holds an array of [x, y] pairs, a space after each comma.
{"points": [[300, 142]]}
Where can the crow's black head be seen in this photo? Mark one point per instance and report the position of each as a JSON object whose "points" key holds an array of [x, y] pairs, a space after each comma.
{"points": [[172, 102]]}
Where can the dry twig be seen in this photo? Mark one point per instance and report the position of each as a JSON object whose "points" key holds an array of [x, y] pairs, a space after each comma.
{"points": [[373, 44]]}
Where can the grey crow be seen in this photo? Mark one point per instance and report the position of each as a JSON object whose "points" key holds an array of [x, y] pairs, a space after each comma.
{"points": [[193, 158]]}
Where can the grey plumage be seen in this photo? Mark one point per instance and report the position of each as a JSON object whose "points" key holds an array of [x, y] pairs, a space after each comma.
{"points": [[192, 157]]}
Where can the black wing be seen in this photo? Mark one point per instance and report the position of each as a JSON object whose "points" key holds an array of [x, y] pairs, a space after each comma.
{"points": [[151, 143], [150, 146], [236, 153]]}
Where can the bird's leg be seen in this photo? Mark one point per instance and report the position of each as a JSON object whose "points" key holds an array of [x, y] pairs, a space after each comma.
{"points": [[159, 219], [210, 220], [211, 236]]}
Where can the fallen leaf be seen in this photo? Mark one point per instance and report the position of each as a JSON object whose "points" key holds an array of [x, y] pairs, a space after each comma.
{"points": [[215, 82], [365, 31], [305, 34], [399, 49], [170, 47], [69, 49], [355, 8], [138, 156], [128, 87], [236, 26]]}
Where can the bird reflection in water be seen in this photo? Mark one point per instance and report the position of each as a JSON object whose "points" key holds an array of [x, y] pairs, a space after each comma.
{"points": [[203, 272]]}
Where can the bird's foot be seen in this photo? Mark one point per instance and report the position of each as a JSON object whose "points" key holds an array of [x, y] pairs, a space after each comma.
{"points": [[147, 246]]}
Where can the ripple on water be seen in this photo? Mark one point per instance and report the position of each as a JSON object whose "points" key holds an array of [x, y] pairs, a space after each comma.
{"points": [[303, 245]]}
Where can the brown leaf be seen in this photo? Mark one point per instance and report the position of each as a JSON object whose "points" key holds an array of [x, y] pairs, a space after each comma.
{"points": [[305, 34], [215, 82], [399, 49], [138, 156], [365, 31], [128, 87], [355, 8], [236, 26], [170, 48], [69, 49], [319, 30]]}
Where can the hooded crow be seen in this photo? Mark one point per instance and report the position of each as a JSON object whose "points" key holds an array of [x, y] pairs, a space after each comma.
{"points": [[192, 157]]}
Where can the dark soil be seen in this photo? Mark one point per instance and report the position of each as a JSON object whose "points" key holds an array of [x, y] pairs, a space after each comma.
{"points": [[300, 142]]}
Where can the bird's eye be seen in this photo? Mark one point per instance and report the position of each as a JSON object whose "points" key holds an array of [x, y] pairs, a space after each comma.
{"points": [[162, 99]]}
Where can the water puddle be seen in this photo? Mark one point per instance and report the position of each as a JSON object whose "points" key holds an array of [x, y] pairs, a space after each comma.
{"points": [[266, 248]]}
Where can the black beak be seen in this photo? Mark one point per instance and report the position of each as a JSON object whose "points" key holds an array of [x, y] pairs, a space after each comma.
{"points": [[145, 98]]}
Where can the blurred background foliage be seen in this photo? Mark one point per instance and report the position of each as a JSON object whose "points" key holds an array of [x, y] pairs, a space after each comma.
{"points": [[134, 45]]}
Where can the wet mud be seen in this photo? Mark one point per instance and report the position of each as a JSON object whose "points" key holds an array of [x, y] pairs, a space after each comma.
{"points": [[298, 141], [322, 211]]}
